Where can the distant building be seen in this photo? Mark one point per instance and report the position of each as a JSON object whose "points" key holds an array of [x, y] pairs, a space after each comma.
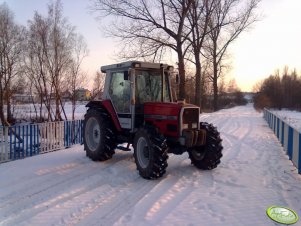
{"points": [[82, 94], [66, 95], [22, 98]]}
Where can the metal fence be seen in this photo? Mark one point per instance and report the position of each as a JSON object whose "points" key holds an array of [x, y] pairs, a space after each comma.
{"points": [[22, 141], [288, 136]]}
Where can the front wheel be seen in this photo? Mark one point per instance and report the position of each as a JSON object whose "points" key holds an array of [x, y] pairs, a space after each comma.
{"points": [[207, 157], [99, 136], [150, 152]]}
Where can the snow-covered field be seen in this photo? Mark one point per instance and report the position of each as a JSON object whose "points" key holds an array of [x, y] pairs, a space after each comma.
{"points": [[27, 111], [292, 118], [67, 188]]}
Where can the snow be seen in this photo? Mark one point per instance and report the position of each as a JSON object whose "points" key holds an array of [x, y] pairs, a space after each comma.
{"points": [[67, 188], [293, 118], [27, 111]]}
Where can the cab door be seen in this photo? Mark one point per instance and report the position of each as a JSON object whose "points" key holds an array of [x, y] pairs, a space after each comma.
{"points": [[120, 95]]}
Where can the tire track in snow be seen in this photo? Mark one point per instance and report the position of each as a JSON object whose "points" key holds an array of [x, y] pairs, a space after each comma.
{"points": [[168, 193], [111, 214], [102, 202], [235, 132], [55, 191]]}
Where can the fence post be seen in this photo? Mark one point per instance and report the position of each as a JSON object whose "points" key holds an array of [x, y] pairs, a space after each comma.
{"points": [[290, 142], [299, 161], [282, 133], [7, 157], [66, 144], [62, 133], [285, 138], [30, 139], [295, 155], [278, 127], [38, 140], [11, 152], [82, 132]]}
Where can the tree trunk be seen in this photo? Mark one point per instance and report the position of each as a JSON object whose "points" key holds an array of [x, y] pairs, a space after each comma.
{"points": [[73, 107], [57, 109], [8, 110], [41, 108], [215, 87], [63, 109], [8, 107], [198, 80], [181, 66], [2, 118]]}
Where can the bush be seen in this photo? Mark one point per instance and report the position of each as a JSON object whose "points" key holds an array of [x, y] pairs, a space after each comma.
{"points": [[261, 101]]}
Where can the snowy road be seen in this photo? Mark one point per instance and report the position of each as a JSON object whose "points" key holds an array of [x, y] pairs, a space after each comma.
{"points": [[67, 188]]}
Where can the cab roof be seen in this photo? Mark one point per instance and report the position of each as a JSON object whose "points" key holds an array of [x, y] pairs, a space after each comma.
{"points": [[134, 64]]}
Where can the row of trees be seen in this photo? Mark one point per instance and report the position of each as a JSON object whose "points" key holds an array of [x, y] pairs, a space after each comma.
{"points": [[229, 95], [198, 31], [45, 58], [279, 91]]}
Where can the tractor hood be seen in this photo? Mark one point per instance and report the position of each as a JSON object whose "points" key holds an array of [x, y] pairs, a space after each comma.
{"points": [[165, 109], [171, 117]]}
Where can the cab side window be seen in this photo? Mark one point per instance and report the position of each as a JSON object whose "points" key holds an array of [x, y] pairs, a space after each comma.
{"points": [[119, 91]]}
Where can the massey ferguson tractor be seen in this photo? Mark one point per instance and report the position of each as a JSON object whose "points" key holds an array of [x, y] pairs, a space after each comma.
{"points": [[137, 108]]}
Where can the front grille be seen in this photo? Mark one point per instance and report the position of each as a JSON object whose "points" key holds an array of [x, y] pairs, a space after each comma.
{"points": [[191, 115]]}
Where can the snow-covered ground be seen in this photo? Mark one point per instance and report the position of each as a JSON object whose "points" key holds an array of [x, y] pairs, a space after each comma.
{"points": [[67, 188], [293, 118], [27, 111]]}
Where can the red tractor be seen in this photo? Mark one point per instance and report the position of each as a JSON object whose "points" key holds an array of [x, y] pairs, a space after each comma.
{"points": [[137, 109]]}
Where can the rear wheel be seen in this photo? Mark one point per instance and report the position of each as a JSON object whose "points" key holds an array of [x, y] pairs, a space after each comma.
{"points": [[99, 136], [207, 157], [150, 152]]}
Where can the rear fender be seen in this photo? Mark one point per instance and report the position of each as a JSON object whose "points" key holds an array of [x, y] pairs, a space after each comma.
{"points": [[107, 105]]}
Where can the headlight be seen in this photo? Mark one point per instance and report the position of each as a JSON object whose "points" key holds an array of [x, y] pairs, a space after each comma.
{"points": [[185, 126], [194, 126]]}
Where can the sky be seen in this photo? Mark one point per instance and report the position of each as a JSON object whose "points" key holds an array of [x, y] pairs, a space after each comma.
{"points": [[270, 44]]}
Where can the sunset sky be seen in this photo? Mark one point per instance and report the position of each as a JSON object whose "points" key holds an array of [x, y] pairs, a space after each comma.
{"points": [[272, 43]]}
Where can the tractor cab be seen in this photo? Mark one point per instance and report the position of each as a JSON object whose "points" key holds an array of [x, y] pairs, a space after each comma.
{"points": [[137, 108], [131, 84]]}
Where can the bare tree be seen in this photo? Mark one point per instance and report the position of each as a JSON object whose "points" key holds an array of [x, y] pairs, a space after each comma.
{"points": [[198, 17], [228, 20], [151, 25], [232, 86], [76, 77], [55, 52], [98, 85], [36, 69], [11, 46], [59, 52]]}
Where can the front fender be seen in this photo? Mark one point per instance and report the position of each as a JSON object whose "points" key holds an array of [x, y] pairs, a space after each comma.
{"points": [[107, 106]]}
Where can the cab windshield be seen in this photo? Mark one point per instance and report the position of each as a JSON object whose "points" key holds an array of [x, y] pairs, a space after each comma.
{"points": [[149, 86]]}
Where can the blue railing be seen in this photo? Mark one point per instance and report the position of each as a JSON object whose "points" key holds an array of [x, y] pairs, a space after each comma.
{"points": [[22, 141], [288, 136], [73, 131]]}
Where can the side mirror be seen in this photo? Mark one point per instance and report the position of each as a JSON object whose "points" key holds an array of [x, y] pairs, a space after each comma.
{"points": [[125, 75]]}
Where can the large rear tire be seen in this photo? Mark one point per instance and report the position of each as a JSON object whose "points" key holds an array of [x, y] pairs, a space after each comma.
{"points": [[207, 157], [99, 135], [150, 152]]}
